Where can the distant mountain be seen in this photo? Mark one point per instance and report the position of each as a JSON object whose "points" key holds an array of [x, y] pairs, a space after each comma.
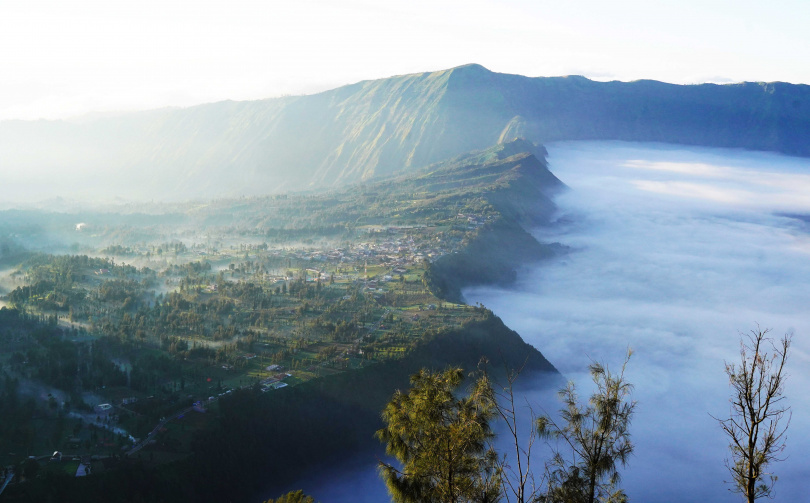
{"points": [[378, 128]]}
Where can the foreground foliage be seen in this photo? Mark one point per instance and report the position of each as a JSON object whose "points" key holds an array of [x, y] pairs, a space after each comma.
{"points": [[293, 497], [441, 441], [444, 443], [595, 438]]}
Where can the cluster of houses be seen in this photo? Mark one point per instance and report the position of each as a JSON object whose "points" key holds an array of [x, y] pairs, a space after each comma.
{"points": [[473, 220], [398, 253], [275, 381]]}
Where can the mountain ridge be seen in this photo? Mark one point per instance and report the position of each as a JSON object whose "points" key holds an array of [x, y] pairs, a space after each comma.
{"points": [[378, 128]]}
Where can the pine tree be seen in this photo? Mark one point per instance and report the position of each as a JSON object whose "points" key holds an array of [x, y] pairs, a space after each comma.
{"points": [[441, 441], [597, 437]]}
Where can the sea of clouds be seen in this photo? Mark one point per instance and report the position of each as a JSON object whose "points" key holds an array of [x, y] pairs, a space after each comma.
{"points": [[674, 251]]}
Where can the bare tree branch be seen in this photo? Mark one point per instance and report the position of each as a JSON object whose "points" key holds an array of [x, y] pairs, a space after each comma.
{"points": [[758, 421]]}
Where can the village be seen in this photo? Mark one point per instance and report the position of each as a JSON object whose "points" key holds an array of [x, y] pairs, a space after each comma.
{"points": [[374, 287], [142, 343]]}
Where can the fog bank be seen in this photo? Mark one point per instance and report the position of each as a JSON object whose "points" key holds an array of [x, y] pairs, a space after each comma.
{"points": [[674, 251]]}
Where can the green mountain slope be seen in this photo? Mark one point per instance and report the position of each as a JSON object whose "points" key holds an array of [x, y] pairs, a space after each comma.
{"points": [[380, 127], [256, 444]]}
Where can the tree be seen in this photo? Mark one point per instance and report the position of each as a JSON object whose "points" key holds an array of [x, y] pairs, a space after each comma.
{"points": [[441, 441], [293, 497], [756, 427], [517, 478], [595, 438]]}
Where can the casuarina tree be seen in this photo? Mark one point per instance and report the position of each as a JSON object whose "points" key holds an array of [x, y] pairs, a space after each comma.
{"points": [[441, 441], [593, 440]]}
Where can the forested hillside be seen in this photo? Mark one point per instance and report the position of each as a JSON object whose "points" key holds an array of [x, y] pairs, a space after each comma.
{"points": [[245, 342]]}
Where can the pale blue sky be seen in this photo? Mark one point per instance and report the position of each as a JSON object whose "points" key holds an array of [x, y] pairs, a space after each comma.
{"points": [[62, 58]]}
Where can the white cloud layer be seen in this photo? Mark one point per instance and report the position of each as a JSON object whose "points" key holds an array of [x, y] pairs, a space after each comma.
{"points": [[674, 251]]}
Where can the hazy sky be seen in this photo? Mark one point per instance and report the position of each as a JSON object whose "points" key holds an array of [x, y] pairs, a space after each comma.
{"points": [[59, 59]]}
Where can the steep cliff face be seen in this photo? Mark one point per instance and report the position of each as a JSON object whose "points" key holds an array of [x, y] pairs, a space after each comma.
{"points": [[513, 178], [378, 128]]}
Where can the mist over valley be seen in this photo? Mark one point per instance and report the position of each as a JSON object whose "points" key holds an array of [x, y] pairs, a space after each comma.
{"points": [[217, 302], [673, 251]]}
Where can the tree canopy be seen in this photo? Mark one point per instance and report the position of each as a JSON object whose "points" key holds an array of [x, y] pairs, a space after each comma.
{"points": [[595, 439], [441, 441]]}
